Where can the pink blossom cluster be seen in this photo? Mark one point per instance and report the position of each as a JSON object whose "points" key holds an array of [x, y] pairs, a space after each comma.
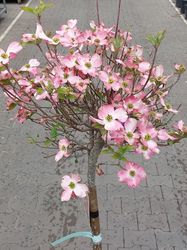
{"points": [[92, 80]]}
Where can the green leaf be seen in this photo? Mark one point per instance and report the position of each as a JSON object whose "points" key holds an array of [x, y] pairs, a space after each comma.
{"points": [[28, 9], [156, 40], [116, 156], [2, 68], [5, 81], [31, 140], [38, 9], [65, 93], [49, 87], [11, 106], [97, 125], [108, 150], [125, 149], [123, 159], [47, 142], [54, 132], [39, 91], [117, 42]]}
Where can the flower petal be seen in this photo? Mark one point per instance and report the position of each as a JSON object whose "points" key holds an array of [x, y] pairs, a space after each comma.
{"points": [[59, 155], [66, 195]]}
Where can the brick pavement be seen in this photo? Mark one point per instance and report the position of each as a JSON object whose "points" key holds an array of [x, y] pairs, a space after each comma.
{"points": [[152, 217]]}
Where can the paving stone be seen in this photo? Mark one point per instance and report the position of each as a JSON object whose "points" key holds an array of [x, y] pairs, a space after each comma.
{"points": [[143, 238], [132, 205], [168, 239], [148, 192], [112, 204], [159, 180], [183, 207], [173, 193], [113, 237], [148, 248], [177, 222], [150, 168], [164, 206], [124, 220], [132, 248], [152, 221], [121, 191], [180, 182]]}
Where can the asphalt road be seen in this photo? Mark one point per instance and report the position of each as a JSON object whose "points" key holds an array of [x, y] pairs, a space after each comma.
{"points": [[154, 216]]}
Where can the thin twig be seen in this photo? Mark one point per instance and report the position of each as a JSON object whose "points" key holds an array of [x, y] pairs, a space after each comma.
{"points": [[97, 8], [118, 16]]}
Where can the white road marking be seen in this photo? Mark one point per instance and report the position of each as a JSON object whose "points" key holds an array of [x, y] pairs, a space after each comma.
{"points": [[178, 11], [13, 22]]}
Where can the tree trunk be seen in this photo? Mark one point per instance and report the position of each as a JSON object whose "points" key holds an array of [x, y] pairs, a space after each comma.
{"points": [[93, 203], [94, 215]]}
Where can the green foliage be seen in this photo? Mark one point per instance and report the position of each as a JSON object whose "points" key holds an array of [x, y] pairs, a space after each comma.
{"points": [[38, 9], [11, 106], [65, 93], [117, 42], [100, 127], [118, 154], [47, 142], [54, 132], [156, 40], [39, 91], [5, 82], [2, 68], [31, 140]]}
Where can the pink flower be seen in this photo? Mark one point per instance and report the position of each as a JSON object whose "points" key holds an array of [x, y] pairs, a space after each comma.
{"points": [[28, 38], [69, 61], [180, 125], [82, 85], [163, 135], [133, 104], [158, 72], [63, 76], [99, 38], [111, 118], [127, 36], [41, 35], [11, 52], [130, 135], [89, 65], [137, 51], [31, 66], [144, 67], [72, 187], [69, 34], [110, 80], [63, 146], [116, 135], [22, 115], [132, 174], [167, 106], [180, 68], [146, 151], [148, 134]]}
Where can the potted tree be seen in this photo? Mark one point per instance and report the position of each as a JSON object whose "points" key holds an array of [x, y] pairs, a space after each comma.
{"points": [[97, 96]]}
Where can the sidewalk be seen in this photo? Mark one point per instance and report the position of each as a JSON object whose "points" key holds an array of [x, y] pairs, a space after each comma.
{"points": [[151, 217]]}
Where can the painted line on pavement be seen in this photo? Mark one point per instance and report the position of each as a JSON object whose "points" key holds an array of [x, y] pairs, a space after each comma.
{"points": [[182, 17], [13, 22]]}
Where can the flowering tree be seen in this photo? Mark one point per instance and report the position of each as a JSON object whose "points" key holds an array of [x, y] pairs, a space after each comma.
{"points": [[98, 95]]}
